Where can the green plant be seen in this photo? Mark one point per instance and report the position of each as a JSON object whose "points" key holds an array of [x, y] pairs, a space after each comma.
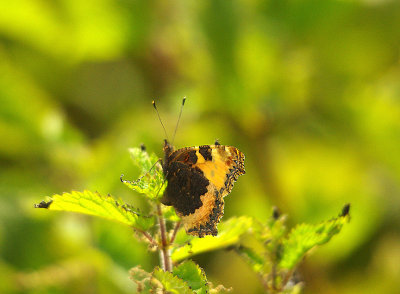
{"points": [[273, 252]]}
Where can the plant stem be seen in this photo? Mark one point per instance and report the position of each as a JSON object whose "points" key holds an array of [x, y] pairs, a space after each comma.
{"points": [[177, 226], [165, 258], [148, 237], [273, 277]]}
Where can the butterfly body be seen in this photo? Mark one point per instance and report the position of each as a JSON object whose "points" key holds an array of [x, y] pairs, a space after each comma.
{"points": [[199, 178]]}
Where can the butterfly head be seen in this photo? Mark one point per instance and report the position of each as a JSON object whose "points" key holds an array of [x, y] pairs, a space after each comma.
{"points": [[168, 149]]}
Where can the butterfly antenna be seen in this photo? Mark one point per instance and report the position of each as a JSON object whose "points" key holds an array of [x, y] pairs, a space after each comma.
{"points": [[179, 118], [159, 118]]}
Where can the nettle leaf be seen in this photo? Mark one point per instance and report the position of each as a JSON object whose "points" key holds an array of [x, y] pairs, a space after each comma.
{"points": [[228, 235], [93, 203], [193, 275], [170, 283], [304, 237], [151, 182]]}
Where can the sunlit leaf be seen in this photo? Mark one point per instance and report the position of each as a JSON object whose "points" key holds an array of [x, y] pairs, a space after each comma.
{"points": [[93, 203], [304, 237], [151, 182], [229, 234], [193, 275]]}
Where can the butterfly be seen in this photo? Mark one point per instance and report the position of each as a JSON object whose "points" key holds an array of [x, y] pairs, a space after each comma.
{"points": [[199, 178]]}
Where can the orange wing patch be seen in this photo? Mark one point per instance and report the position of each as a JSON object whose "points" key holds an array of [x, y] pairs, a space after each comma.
{"points": [[226, 165], [205, 219]]}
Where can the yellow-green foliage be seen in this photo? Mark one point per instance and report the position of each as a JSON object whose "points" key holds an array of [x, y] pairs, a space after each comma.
{"points": [[308, 90]]}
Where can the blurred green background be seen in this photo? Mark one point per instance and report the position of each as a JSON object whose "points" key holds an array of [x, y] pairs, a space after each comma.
{"points": [[308, 90]]}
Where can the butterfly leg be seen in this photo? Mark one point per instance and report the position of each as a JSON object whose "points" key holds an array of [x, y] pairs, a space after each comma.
{"points": [[140, 178]]}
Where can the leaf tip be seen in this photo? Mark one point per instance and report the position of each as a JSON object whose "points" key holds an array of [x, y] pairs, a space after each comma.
{"points": [[275, 213], [345, 210], [43, 204]]}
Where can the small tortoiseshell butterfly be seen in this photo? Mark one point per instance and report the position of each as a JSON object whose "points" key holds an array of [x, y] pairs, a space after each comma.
{"points": [[199, 178]]}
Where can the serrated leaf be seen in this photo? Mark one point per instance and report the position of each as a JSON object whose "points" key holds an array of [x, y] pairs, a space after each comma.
{"points": [[304, 237], [93, 203], [229, 234], [171, 283], [151, 182], [193, 275]]}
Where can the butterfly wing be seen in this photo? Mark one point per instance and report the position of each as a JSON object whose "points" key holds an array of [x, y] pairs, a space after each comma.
{"points": [[198, 179]]}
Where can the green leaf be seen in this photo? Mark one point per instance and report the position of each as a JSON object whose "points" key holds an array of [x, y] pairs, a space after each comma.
{"points": [[229, 234], [151, 182], [304, 237], [171, 283], [193, 275], [93, 203]]}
